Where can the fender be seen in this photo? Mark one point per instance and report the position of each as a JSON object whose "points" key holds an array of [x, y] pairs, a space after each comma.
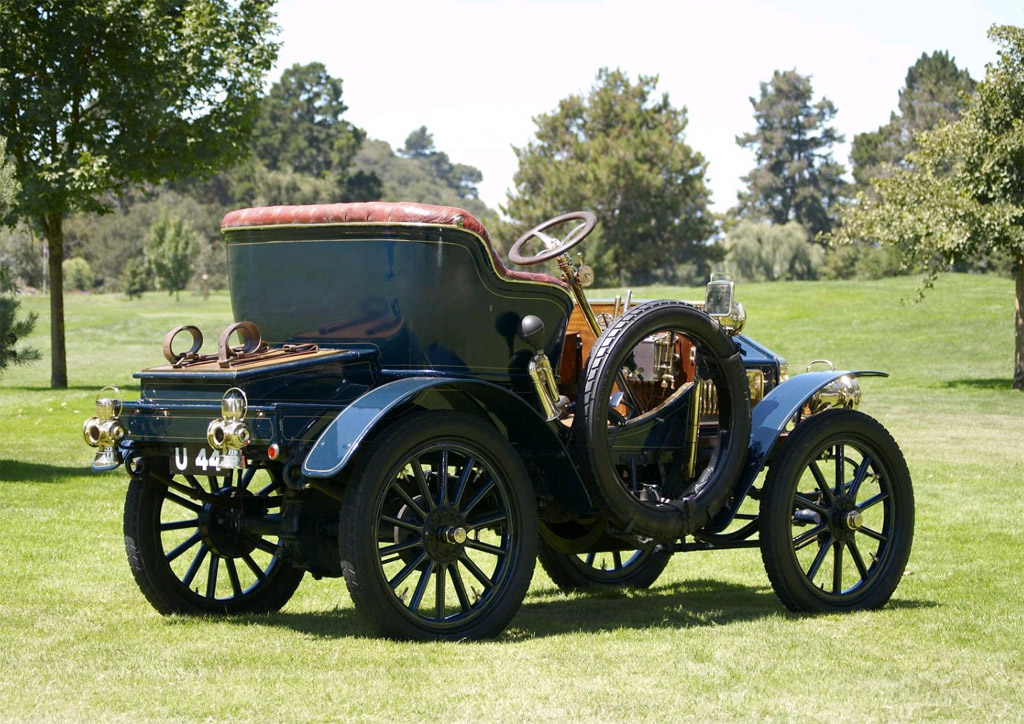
{"points": [[768, 420], [534, 440]]}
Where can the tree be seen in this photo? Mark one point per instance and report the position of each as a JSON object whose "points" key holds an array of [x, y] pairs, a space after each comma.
{"points": [[772, 252], [962, 193], [12, 329], [620, 152], [301, 127], [796, 178], [171, 248], [99, 97], [935, 91]]}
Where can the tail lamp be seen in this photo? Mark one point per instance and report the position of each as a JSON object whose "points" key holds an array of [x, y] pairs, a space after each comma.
{"points": [[228, 434], [104, 431]]}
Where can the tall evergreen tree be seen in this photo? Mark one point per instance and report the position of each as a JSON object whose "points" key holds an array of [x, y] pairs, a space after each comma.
{"points": [[935, 91], [796, 178], [621, 152]]}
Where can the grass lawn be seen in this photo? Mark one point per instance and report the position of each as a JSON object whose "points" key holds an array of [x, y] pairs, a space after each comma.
{"points": [[708, 642]]}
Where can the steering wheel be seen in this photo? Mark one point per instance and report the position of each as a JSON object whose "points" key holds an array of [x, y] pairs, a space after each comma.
{"points": [[555, 246]]}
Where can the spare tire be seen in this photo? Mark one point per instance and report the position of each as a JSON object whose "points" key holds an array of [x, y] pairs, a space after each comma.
{"points": [[667, 505]]}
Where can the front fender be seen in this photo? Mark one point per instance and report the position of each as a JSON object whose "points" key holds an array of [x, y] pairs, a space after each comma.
{"points": [[532, 437], [768, 420]]}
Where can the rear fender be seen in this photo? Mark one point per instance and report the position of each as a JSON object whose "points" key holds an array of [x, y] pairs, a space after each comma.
{"points": [[553, 473], [768, 421]]}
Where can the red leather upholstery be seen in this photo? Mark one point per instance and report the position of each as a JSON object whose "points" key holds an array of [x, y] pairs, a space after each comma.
{"points": [[376, 212]]}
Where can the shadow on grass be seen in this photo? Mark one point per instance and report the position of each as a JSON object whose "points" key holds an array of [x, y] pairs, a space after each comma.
{"points": [[16, 471], [686, 604], [47, 388], [979, 384]]}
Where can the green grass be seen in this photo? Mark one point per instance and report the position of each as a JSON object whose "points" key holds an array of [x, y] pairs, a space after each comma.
{"points": [[709, 642]]}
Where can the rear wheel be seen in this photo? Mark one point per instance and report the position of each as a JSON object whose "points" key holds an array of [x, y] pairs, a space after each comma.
{"points": [[837, 515], [191, 555], [439, 531], [597, 570]]}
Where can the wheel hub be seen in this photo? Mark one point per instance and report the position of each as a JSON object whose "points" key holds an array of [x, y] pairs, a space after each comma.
{"points": [[445, 534], [845, 519], [218, 524]]}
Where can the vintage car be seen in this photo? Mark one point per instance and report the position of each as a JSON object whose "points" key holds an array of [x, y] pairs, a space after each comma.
{"points": [[397, 407]]}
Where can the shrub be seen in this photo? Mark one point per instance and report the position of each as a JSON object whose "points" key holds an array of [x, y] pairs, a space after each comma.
{"points": [[766, 252], [78, 274]]}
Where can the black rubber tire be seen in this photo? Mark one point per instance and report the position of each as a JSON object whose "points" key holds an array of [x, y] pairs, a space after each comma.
{"points": [[375, 516], [880, 492], [636, 569], [720, 356], [150, 507]]}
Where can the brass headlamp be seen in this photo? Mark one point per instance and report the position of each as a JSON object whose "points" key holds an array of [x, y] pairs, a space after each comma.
{"points": [[104, 431], [228, 434]]}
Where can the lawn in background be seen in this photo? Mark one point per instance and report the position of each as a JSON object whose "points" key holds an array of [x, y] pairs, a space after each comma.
{"points": [[708, 642]]}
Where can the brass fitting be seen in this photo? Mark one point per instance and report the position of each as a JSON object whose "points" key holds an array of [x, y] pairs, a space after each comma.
{"points": [[104, 431]]}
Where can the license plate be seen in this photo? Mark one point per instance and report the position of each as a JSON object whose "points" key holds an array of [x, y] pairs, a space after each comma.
{"points": [[196, 460]]}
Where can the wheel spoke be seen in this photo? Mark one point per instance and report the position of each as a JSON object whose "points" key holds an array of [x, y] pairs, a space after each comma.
{"points": [[617, 558], [408, 500], [254, 567], [857, 559], [421, 587], [808, 536], [211, 577], [409, 568], [421, 482], [873, 501], [191, 479], [488, 521], [196, 562], [247, 476], [460, 588], [266, 546], [475, 570], [187, 504], [236, 585], [837, 568], [591, 557], [873, 534], [397, 547], [840, 454], [804, 502], [859, 476], [442, 479], [479, 496], [467, 470], [183, 547], [180, 524], [485, 547], [214, 483], [818, 559], [823, 485], [441, 583], [398, 522]]}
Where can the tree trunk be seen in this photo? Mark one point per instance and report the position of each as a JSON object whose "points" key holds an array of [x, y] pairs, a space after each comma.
{"points": [[53, 227], [1018, 329]]}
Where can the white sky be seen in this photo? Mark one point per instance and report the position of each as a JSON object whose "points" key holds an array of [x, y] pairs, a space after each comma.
{"points": [[476, 72]]}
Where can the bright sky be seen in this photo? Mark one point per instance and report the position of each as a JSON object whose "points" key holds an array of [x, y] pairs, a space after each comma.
{"points": [[476, 72]]}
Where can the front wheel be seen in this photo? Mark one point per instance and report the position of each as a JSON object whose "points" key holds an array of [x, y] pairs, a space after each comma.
{"points": [[837, 515], [438, 533]]}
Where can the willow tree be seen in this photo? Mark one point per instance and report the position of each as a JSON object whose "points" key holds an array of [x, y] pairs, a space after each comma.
{"points": [[98, 96], [962, 193]]}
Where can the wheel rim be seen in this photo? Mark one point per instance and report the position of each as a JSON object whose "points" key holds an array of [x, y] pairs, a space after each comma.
{"points": [[201, 543], [446, 535], [843, 520]]}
